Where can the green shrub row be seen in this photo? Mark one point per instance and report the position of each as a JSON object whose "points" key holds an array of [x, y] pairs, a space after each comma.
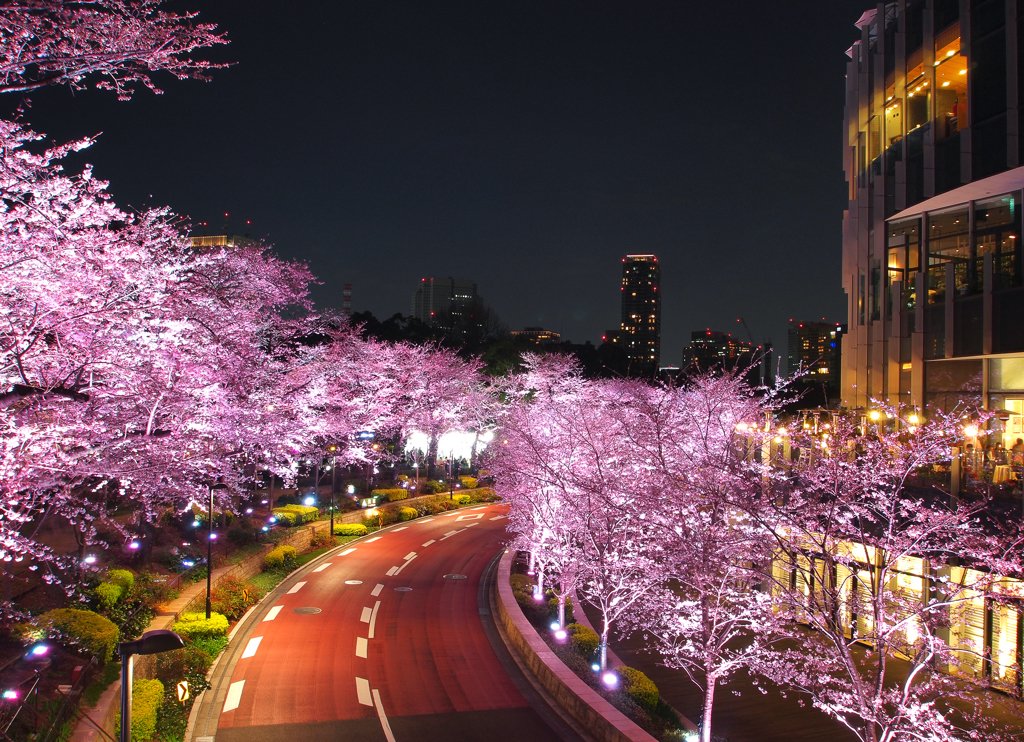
{"points": [[86, 630], [639, 687], [281, 559], [584, 639], [296, 514], [407, 513], [118, 584], [147, 696], [391, 495], [349, 529], [233, 597], [198, 626], [467, 482]]}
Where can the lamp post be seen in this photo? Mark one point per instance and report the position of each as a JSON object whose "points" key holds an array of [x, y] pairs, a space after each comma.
{"points": [[334, 482], [152, 642], [209, 554]]}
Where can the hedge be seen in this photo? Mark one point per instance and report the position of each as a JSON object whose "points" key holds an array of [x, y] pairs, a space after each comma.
{"points": [[198, 626], [281, 558], [434, 486], [461, 499], [119, 583], [391, 495], [147, 695], [484, 494], [349, 529], [407, 513], [639, 687], [303, 513], [468, 482], [583, 638], [87, 630]]}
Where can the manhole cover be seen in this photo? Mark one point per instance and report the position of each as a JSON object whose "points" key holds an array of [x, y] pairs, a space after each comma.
{"points": [[402, 589], [307, 610], [455, 577], [353, 582]]}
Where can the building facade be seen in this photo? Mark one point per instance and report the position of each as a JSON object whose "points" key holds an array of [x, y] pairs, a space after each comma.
{"points": [[639, 333], [709, 349], [931, 235], [537, 336], [445, 302], [815, 347]]}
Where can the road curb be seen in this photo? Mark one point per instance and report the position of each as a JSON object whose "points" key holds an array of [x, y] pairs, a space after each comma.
{"points": [[598, 717]]}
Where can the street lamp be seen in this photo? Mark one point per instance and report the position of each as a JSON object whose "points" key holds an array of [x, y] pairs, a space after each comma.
{"points": [[334, 482], [152, 642]]}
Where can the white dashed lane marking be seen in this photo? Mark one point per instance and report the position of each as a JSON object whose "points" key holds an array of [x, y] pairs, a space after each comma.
{"points": [[365, 617], [376, 591], [482, 507], [348, 551], [497, 517], [234, 696], [407, 563], [410, 555], [363, 691], [396, 530], [371, 540], [373, 618], [251, 647], [296, 587], [426, 520], [322, 567], [361, 647], [272, 613], [383, 718], [431, 541], [391, 571]]}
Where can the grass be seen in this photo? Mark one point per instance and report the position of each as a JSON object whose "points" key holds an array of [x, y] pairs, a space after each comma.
{"points": [[244, 552], [110, 672]]}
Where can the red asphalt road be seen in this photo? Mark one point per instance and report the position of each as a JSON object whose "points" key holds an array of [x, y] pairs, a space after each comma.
{"points": [[428, 654]]}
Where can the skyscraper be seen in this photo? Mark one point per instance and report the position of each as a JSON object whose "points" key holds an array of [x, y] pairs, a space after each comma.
{"points": [[640, 330], [445, 302], [932, 254]]}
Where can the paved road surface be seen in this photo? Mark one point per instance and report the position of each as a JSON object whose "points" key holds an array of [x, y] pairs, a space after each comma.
{"points": [[378, 663]]}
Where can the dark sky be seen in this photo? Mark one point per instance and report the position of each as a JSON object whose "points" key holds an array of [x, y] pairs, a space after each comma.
{"points": [[525, 145]]}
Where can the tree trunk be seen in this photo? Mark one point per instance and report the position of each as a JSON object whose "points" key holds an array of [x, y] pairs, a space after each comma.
{"points": [[432, 457], [540, 585], [533, 562], [561, 609], [472, 453], [709, 701]]}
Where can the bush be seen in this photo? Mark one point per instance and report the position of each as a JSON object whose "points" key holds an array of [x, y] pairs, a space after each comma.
{"points": [[349, 529], [391, 495], [583, 638], [86, 630], [407, 513], [286, 517], [639, 687], [521, 584], [384, 517], [433, 486], [468, 482], [322, 540], [233, 597], [198, 626], [190, 663], [307, 513], [147, 696], [119, 583], [553, 609], [243, 532], [281, 559], [201, 514], [460, 499], [484, 494]]}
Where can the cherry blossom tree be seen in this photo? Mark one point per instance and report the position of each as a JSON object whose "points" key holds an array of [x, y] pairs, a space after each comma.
{"points": [[881, 569]]}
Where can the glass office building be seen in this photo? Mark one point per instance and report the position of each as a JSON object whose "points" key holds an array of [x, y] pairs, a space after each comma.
{"points": [[932, 232]]}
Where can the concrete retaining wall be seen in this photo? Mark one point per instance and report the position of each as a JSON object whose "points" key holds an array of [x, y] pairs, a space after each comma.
{"points": [[598, 717]]}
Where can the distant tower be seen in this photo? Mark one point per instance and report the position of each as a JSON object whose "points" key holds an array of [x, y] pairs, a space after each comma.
{"points": [[346, 300], [640, 332]]}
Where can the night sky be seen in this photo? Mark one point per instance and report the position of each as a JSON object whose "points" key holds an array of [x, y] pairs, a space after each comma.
{"points": [[525, 145]]}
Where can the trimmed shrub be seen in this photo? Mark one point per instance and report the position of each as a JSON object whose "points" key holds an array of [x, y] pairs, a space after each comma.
{"points": [[147, 695], [583, 638], [322, 540], [190, 663], [433, 487], [467, 482], [521, 584], [119, 583], [484, 494], [281, 559], [286, 517], [639, 687], [201, 514], [349, 529], [198, 626], [243, 532], [553, 608], [461, 499], [407, 513], [306, 513], [86, 630], [233, 597], [391, 495]]}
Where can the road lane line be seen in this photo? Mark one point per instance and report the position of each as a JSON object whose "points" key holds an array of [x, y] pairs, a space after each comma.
{"points": [[251, 647], [272, 613], [322, 567], [482, 507], [363, 691], [406, 564], [470, 525], [497, 517], [383, 718], [371, 540], [396, 530], [448, 515], [448, 535], [295, 588], [373, 618], [426, 520], [391, 571], [431, 541], [410, 555], [365, 617], [361, 647], [376, 591], [234, 696], [347, 551]]}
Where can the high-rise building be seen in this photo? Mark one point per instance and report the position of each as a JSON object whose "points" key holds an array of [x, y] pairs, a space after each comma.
{"points": [[815, 347], [932, 261], [711, 349], [445, 302], [639, 333], [537, 336]]}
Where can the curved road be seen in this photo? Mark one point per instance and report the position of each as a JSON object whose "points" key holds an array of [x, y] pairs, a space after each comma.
{"points": [[373, 642]]}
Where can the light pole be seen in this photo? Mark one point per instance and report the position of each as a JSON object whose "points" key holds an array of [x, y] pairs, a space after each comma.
{"points": [[334, 483], [209, 554], [152, 642]]}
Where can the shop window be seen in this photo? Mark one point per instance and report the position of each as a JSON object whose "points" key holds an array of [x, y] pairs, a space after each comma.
{"points": [[919, 100], [893, 121], [948, 242], [997, 231], [950, 84], [903, 258]]}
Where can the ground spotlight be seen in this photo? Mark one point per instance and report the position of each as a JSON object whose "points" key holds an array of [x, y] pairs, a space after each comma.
{"points": [[610, 679]]}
